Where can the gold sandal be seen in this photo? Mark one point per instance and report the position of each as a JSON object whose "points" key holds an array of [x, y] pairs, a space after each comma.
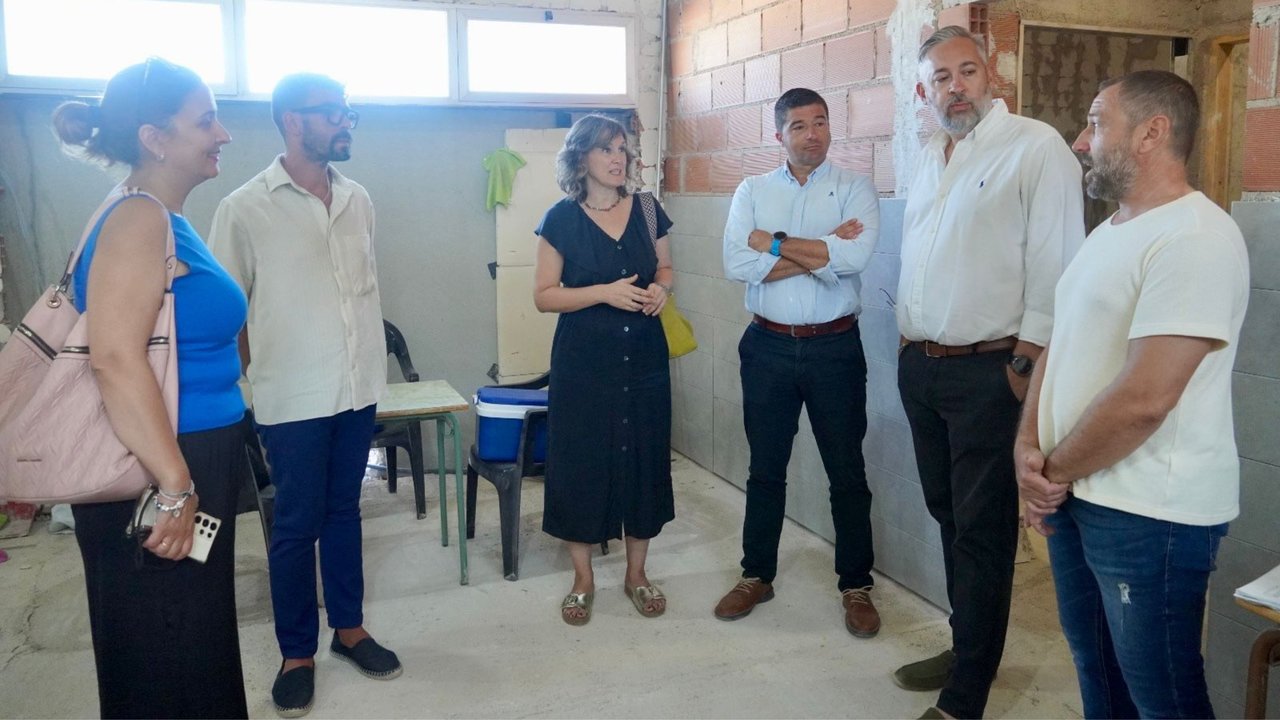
{"points": [[645, 595], [577, 601]]}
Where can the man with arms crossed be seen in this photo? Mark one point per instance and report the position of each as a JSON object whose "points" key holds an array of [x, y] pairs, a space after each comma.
{"points": [[298, 238], [994, 213], [1126, 456], [803, 349]]}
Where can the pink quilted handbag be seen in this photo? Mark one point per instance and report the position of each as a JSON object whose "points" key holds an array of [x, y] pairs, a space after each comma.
{"points": [[56, 442]]}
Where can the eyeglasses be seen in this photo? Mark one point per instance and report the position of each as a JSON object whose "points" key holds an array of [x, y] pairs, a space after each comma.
{"points": [[333, 114]]}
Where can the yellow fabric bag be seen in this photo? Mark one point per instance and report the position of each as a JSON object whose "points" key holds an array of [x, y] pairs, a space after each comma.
{"points": [[680, 339]]}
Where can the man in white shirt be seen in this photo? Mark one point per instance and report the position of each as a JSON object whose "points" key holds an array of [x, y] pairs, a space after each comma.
{"points": [[994, 212], [1126, 456], [799, 237], [298, 238]]}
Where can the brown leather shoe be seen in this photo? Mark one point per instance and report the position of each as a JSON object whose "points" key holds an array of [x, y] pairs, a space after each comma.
{"points": [[860, 616], [743, 598]]}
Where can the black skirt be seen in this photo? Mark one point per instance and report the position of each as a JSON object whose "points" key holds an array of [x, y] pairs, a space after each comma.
{"points": [[165, 639]]}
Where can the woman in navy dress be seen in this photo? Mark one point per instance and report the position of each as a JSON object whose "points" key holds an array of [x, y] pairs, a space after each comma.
{"points": [[609, 410]]}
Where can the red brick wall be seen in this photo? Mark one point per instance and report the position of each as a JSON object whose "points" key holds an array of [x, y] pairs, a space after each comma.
{"points": [[1262, 116], [729, 60]]}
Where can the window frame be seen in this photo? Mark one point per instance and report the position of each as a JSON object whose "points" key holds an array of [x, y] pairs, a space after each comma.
{"points": [[235, 87], [534, 16], [48, 85]]}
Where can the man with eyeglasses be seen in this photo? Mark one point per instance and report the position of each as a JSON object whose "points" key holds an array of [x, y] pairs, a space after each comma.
{"points": [[298, 238]]}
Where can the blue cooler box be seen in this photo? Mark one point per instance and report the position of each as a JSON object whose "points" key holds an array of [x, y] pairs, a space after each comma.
{"points": [[500, 413]]}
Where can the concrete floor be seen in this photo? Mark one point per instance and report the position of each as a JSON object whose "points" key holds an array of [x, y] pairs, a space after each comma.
{"points": [[499, 649]]}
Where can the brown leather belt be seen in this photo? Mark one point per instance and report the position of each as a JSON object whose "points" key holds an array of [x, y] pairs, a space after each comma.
{"points": [[838, 325], [936, 350]]}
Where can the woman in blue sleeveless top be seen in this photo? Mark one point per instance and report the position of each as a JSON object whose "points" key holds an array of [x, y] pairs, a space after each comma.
{"points": [[164, 627]]}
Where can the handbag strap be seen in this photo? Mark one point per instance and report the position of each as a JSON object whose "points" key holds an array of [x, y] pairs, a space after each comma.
{"points": [[649, 206], [114, 198]]}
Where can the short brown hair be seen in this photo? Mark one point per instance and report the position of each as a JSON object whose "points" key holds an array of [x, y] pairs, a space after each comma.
{"points": [[1147, 93], [590, 132]]}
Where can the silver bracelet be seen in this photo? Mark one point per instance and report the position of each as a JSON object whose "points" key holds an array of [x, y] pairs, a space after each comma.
{"points": [[191, 490], [665, 287], [175, 509]]}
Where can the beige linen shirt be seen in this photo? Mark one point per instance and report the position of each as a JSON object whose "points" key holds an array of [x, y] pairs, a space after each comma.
{"points": [[986, 236], [316, 342]]}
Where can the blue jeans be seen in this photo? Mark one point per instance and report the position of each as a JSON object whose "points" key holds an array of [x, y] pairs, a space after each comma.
{"points": [[317, 467], [1131, 598]]}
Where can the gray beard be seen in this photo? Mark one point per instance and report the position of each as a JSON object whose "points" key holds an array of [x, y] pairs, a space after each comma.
{"points": [[1110, 180], [964, 124]]}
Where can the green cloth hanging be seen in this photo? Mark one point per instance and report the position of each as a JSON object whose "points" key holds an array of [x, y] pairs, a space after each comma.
{"points": [[502, 165]]}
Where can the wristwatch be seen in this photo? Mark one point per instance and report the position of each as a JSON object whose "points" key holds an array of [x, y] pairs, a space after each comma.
{"points": [[776, 248], [1021, 365]]}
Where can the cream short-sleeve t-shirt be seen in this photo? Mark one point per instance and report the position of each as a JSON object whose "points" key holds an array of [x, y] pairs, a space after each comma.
{"points": [[1180, 269]]}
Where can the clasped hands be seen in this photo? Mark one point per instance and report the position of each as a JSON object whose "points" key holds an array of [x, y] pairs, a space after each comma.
{"points": [[762, 240], [625, 295], [1040, 496]]}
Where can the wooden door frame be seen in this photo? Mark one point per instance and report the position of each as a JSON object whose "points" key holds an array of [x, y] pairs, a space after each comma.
{"points": [[1217, 131]]}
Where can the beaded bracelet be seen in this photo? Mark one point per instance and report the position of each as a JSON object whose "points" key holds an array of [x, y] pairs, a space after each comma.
{"points": [[175, 509]]}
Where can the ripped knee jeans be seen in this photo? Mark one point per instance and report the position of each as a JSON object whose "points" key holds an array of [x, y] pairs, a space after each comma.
{"points": [[1131, 599]]}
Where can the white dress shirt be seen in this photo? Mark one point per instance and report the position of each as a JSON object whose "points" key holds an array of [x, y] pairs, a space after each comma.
{"points": [[777, 201], [987, 235], [316, 342]]}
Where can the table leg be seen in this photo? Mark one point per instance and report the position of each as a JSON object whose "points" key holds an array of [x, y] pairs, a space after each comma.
{"points": [[461, 500], [1266, 652], [440, 473]]}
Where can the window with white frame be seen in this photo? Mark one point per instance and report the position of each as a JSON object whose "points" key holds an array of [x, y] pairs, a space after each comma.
{"points": [[383, 50], [552, 54], [62, 43]]}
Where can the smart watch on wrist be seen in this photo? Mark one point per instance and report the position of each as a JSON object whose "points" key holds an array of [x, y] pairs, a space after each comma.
{"points": [[776, 248], [1021, 365]]}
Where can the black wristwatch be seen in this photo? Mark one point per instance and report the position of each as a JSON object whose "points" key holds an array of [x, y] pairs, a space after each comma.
{"points": [[775, 248], [1021, 365]]}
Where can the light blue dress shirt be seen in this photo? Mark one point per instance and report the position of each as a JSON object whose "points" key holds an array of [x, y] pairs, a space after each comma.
{"points": [[777, 201]]}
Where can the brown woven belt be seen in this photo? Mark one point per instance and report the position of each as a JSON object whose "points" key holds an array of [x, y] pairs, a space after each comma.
{"points": [[936, 350], [838, 325]]}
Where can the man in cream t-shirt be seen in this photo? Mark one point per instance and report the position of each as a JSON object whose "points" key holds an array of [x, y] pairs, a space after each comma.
{"points": [[1126, 455]]}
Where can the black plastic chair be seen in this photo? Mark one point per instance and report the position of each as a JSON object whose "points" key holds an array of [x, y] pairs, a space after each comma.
{"points": [[407, 435], [507, 478]]}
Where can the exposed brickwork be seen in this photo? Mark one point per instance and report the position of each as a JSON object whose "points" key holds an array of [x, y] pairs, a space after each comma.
{"points": [[803, 67], [744, 37], [870, 12], [1262, 150], [731, 59], [820, 18], [1262, 55], [726, 86], [781, 26], [851, 58]]}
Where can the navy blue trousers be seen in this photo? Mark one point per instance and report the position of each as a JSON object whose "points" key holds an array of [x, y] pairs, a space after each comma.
{"points": [[827, 375], [317, 467]]}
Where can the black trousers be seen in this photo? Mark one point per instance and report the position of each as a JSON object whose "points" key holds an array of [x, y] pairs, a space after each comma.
{"points": [[165, 639], [828, 376], [964, 418]]}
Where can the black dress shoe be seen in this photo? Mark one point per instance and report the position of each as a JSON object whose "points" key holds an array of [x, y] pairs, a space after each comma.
{"points": [[370, 658], [293, 691]]}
